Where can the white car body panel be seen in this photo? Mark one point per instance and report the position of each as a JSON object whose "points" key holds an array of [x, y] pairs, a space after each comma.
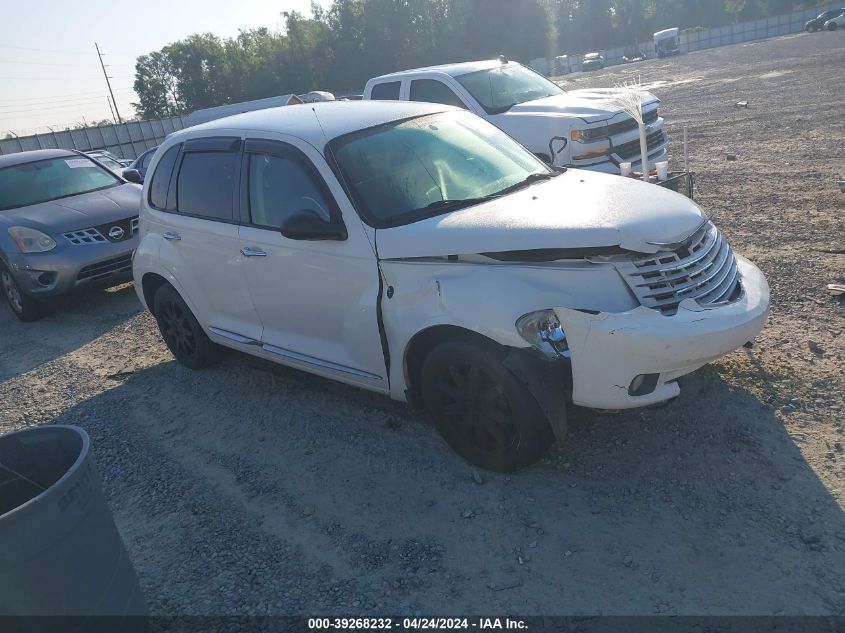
{"points": [[318, 298], [535, 123], [578, 209], [318, 302]]}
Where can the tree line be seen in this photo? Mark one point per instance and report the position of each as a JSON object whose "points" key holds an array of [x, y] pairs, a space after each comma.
{"points": [[339, 47]]}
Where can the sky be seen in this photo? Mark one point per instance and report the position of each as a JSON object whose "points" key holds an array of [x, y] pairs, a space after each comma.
{"points": [[49, 71]]}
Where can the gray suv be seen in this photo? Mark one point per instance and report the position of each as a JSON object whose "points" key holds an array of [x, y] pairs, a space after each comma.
{"points": [[66, 223]]}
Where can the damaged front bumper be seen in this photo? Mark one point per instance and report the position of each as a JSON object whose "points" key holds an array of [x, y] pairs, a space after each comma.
{"points": [[609, 351]]}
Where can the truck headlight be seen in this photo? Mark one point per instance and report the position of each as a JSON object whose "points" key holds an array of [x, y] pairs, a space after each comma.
{"points": [[30, 240], [543, 331], [590, 134]]}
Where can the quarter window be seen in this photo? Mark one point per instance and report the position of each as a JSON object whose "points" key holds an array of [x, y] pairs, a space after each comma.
{"points": [[161, 178], [433, 91], [206, 184], [388, 91], [280, 185]]}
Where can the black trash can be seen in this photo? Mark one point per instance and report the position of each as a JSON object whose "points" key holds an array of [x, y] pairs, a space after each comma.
{"points": [[60, 552]]}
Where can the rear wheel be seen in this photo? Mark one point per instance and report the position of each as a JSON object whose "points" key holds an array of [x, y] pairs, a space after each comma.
{"points": [[25, 307], [832, 26], [181, 331], [483, 412]]}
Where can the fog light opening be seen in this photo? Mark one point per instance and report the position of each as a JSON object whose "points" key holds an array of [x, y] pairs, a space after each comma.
{"points": [[643, 384]]}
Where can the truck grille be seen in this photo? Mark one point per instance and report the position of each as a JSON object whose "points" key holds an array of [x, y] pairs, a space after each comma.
{"points": [[101, 270], [704, 269], [631, 149], [630, 124]]}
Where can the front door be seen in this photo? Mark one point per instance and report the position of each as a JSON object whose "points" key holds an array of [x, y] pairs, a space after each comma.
{"points": [[317, 300]]}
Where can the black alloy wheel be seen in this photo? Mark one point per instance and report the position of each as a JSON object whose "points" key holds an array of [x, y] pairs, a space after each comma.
{"points": [[480, 408]]}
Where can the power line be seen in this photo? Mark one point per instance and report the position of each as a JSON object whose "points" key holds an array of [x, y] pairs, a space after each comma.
{"points": [[63, 52], [51, 102], [18, 61], [74, 78], [60, 97], [67, 106]]}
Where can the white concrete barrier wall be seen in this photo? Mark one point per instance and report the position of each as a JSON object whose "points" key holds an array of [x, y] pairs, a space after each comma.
{"points": [[127, 140]]}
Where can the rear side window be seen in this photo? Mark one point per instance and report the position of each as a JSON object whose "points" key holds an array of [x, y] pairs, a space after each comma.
{"points": [[160, 183], [388, 91], [433, 91], [206, 184]]}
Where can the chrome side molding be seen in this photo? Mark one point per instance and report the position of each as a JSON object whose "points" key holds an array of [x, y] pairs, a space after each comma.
{"points": [[318, 362], [286, 353], [232, 336]]}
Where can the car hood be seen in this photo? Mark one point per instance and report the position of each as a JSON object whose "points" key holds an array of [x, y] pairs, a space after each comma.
{"points": [[78, 212], [578, 209], [592, 105]]}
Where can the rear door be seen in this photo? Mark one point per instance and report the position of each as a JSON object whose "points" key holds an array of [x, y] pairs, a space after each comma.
{"points": [[317, 300], [200, 243]]}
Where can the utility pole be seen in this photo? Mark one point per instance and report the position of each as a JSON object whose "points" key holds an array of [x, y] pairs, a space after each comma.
{"points": [[112, 109], [108, 83]]}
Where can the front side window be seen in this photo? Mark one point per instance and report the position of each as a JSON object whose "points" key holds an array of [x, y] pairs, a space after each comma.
{"points": [[408, 170], [499, 89], [206, 184], [433, 91], [281, 186], [51, 179], [388, 91]]}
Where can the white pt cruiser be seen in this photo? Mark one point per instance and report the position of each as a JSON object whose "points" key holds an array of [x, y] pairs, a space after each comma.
{"points": [[418, 251]]}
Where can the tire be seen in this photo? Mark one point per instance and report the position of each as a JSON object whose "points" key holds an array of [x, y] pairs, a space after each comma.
{"points": [[181, 331], [25, 307], [832, 26], [483, 412]]}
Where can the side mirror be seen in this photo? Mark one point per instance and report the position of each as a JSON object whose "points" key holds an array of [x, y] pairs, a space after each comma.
{"points": [[308, 225], [133, 175]]}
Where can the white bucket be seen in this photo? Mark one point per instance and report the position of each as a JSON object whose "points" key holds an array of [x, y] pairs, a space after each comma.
{"points": [[662, 170], [625, 169]]}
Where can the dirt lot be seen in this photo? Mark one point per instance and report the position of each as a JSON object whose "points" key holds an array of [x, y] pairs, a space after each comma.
{"points": [[250, 488]]}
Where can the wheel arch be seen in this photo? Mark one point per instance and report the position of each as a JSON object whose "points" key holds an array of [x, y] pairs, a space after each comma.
{"points": [[150, 283], [422, 343]]}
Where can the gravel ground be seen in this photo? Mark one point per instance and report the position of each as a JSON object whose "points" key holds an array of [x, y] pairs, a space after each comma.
{"points": [[250, 488]]}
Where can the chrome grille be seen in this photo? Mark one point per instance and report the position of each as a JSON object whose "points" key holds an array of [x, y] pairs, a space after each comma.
{"points": [[704, 269], [85, 236], [99, 234], [631, 149]]}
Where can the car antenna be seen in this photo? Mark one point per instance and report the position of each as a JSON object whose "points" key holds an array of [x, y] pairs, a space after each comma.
{"points": [[503, 59]]}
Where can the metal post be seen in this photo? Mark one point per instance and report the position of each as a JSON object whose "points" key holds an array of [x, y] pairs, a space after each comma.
{"points": [[111, 109], [108, 83]]}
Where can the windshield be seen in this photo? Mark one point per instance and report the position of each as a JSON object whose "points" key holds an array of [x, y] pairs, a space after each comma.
{"points": [[108, 162], [409, 170], [44, 180], [499, 89]]}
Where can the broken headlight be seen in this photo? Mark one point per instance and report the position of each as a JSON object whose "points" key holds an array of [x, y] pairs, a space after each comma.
{"points": [[543, 331]]}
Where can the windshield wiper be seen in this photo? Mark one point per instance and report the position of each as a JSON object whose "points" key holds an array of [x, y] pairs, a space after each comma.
{"points": [[532, 178], [458, 203]]}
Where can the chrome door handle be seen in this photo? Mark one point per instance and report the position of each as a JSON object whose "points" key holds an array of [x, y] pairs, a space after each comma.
{"points": [[173, 237], [248, 251]]}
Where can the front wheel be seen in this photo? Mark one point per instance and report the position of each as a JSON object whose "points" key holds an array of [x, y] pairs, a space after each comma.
{"points": [[480, 408], [24, 307], [832, 26], [181, 331]]}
